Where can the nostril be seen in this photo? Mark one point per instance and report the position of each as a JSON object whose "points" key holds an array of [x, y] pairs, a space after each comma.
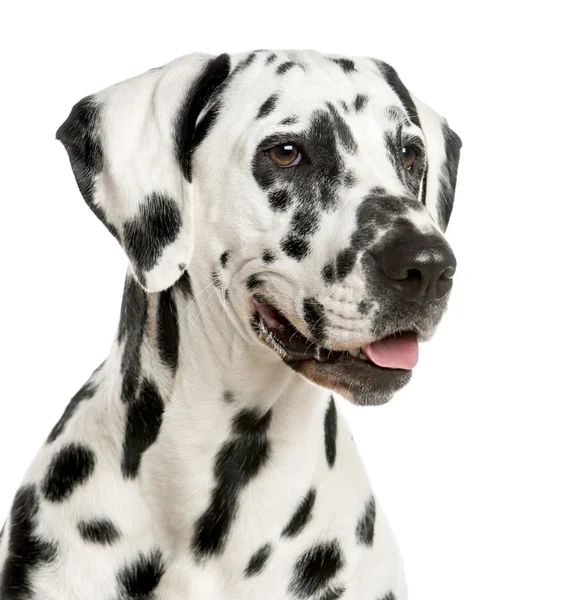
{"points": [[414, 274]]}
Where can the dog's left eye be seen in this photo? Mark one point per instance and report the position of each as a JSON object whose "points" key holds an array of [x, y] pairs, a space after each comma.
{"points": [[410, 154], [285, 155]]}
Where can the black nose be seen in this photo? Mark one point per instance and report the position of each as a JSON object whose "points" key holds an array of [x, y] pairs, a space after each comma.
{"points": [[419, 267]]}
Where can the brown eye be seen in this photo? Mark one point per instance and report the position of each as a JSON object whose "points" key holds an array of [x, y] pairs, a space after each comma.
{"points": [[285, 155], [410, 155]]}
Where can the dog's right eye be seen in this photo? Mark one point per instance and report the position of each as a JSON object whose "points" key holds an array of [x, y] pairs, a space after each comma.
{"points": [[285, 155]]}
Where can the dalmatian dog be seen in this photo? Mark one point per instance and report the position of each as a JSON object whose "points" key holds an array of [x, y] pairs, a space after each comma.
{"points": [[283, 216]]}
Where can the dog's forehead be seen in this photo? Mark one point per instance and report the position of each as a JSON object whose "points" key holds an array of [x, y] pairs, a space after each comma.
{"points": [[299, 82]]}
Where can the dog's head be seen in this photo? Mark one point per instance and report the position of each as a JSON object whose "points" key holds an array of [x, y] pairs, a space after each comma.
{"points": [[312, 191]]}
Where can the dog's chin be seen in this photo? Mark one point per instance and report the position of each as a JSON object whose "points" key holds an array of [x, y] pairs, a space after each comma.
{"points": [[351, 372]]}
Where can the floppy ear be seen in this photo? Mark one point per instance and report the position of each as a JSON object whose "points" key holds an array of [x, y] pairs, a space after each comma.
{"points": [[443, 155], [131, 147]]}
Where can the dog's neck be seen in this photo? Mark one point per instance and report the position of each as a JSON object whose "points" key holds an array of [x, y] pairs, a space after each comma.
{"points": [[201, 361]]}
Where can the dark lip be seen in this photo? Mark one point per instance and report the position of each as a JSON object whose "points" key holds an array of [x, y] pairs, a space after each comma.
{"points": [[359, 380]]}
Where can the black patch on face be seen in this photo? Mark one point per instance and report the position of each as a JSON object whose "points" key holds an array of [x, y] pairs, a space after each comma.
{"points": [[156, 226], [301, 516], [144, 417], [331, 432], [87, 391], [224, 258], [305, 221], [80, 134], [292, 120], [279, 200], [364, 307], [365, 526], [253, 282], [267, 106], [141, 577], [284, 67], [315, 569], [27, 552], [168, 330], [271, 58], [187, 137], [237, 463], [399, 88], [99, 531], [360, 102], [447, 187], [133, 317], [258, 561], [268, 256], [70, 468], [314, 315], [344, 133], [329, 273], [346, 64], [295, 247], [345, 263], [244, 64]]}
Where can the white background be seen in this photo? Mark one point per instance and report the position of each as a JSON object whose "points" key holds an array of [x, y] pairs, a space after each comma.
{"points": [[480, 462]]}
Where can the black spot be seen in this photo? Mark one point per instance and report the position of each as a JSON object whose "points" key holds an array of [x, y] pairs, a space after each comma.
{"points": [[156, 226], [216, 280], [224, 258], [133, 317], [284, 67], [228, 397], [360, 102], [267, 106], [364, 307], [331, 432], [292, 120], [27, 552], [168, 330], [80, 134], [362, 237], [399, 88], [98, 531], [345, 263], [258, 561], [315, 569], [329, 273], [365, 526], [305, 221], [187, 136], [238, 461], [388, 596], [333, 593], [344, 106], [279, 200], [244, 64], [343, 130], [268, 256], [141, 577], [253, 282], [271, 58], [295, 247], [347, 65], [314, 315], [144, 417], [86, 392], [301, 516], [183, 284], [71, 467]]}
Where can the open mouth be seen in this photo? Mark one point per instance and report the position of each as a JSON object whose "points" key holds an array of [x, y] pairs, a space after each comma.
{"points": [[367, 374]]}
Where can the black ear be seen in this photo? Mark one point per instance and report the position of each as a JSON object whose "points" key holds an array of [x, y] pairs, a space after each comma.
{"points": [[443, 155], [131, 149]]}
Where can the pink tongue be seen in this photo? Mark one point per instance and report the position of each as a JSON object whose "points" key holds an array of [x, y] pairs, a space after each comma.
{"points": [[399, 352]]}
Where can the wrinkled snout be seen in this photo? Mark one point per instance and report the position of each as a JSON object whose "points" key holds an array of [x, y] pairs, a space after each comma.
{"points": [[418, 267]]}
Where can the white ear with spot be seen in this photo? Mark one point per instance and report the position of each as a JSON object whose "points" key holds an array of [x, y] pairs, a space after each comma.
{"points": [[131, 147], [443, 152]]}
